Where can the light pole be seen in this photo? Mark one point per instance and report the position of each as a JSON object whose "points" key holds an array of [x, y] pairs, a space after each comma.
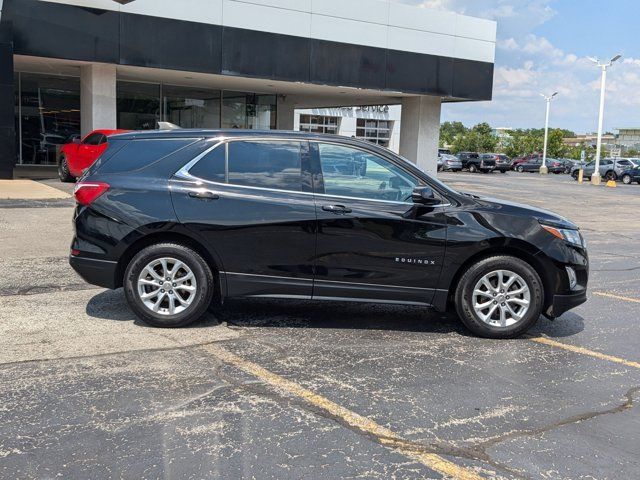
{"points": [[543, 168], [595, 177]]}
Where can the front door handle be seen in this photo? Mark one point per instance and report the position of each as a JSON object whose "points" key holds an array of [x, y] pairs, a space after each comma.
{"points": [[336, 209], [204, 195]]}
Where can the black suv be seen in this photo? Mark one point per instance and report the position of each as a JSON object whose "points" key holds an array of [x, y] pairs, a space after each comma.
{"points": [[474, 162], [184, 219]]}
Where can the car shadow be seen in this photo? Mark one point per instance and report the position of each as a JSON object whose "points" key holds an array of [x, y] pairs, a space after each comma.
{"points": [[567, 325], [272, 313]]}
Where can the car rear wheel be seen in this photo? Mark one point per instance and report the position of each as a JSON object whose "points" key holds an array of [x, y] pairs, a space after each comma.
{"points": [[473, 168], [503, 171], [168, 285], [611, 175], [626, 179], [63, 170], [499, 297]]}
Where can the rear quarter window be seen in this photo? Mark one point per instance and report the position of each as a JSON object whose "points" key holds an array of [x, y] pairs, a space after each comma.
{"points": [[137, 154]]}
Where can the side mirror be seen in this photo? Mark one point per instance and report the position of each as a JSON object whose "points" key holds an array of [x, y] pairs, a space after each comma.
{"points": [[424, 196], [76, 140]]}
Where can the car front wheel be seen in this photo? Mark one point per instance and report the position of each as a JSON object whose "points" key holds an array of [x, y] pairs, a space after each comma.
{"points": [[499, 297], [63, 170], [520, 168], [626, 179], [473, 168], [168, 285]]}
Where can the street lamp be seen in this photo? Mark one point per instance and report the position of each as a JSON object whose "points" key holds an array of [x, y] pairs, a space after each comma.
{"points": [[595, 178], [543, 168]]}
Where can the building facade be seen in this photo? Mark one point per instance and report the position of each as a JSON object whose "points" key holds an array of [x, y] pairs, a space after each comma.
{"points": [[629, 137], [71, 66]]}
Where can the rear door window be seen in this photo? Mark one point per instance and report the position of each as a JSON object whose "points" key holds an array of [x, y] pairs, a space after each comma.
{"points": [[266, 164]]}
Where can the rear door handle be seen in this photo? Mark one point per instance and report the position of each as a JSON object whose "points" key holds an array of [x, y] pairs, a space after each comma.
{"points": [[204, 195], [336, 209]]}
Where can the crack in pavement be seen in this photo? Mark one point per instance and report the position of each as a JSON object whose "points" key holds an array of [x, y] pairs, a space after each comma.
{"points": [[481, 447], [49, 288]]}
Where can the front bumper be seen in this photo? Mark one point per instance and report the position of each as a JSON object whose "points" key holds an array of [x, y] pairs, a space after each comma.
{"points": [[564, 303], [96, 272]]}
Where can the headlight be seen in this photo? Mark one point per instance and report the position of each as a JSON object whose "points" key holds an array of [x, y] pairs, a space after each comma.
{"points": [[572, 236]]}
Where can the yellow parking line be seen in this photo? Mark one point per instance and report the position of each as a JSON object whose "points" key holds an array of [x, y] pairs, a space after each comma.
{"points": [[385, 436], [617, 297], [585, 351]]}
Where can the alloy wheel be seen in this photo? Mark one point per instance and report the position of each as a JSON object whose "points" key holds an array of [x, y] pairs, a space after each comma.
{"points": [[167, 286], [501, 298]]}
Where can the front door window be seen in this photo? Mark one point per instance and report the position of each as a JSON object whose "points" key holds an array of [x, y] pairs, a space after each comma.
{"points": [[351, 172]]}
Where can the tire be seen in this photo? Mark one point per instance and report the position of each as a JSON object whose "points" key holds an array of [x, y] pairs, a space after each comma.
{"points": [[464, 298], [626, 179], [63, 171], [198, 301], [503, 171], [520, 168], [575, 175], [611, 175], [473, 168]]}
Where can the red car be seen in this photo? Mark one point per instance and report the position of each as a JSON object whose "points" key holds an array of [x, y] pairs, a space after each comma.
{"points": [[78, 155]]}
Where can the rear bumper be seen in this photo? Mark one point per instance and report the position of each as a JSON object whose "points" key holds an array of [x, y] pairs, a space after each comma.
{"points": [[96, 272], [564, 303]]}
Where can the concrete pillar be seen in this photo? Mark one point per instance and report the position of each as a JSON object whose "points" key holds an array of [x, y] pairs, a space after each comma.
{"points": [[97, 97], [286, 112], [420, 131]]}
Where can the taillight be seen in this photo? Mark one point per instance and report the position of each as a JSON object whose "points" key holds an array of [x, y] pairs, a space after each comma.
{"points": [[87, 192]]}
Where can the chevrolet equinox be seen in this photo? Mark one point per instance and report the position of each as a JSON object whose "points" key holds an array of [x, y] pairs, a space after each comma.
{"points": [[184, 219]]}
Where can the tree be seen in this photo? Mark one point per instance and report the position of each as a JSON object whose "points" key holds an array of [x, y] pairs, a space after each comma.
{"points": [[449, 130], [555, 146], [480, 139]]}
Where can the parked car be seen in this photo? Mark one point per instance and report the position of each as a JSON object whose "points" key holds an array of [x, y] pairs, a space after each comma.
{"points": [[534, 165], [79, 154], [610, 168], [502, 162], [472, 162], [567, 163], [449, 162], [184, 219], [518, 160], [630, 176]]}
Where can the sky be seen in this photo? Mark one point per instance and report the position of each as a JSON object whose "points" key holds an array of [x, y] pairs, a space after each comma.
{"points": [[542, 47]]}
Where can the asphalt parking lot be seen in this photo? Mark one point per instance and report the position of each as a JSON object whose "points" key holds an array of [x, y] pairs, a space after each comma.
{"points": [[270, 389]]}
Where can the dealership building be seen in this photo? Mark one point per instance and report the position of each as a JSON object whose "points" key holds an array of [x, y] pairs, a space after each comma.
{"points": [[70, 66]]}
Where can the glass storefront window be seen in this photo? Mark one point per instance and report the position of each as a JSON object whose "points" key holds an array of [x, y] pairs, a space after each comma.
{"points": [[138, 105], [49, 112], [319, 124], [376, 131], [248, 110], [191, 107]]}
